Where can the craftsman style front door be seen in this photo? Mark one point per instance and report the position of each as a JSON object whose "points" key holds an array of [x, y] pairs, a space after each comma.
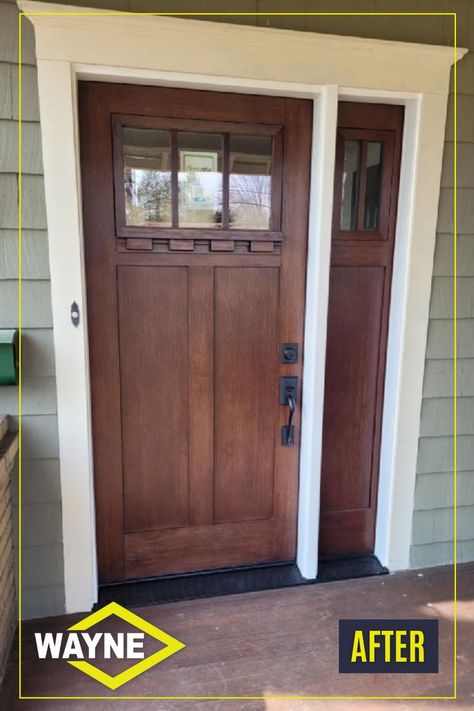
{"points": [[195, 208]]}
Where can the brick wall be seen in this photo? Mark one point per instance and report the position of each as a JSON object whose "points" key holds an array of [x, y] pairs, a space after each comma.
{"points": [[8, 611]]}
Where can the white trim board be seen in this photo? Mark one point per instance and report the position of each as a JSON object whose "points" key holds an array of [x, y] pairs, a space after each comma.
{"points": [[124, 48]]}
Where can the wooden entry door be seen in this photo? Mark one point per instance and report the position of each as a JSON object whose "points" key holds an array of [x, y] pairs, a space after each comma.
{"points": [[195, 218], [363, 235]]}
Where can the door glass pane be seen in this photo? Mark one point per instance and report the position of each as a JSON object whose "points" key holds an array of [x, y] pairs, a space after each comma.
{"points": [[200, 180], [350, 185], [373, 185], [147, 177], [250, 182]]}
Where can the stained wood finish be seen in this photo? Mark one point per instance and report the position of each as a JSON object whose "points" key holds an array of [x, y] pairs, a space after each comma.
{"points": [[359, 299], [245, 350], [280, 640], [185, 328], [154, 383]]}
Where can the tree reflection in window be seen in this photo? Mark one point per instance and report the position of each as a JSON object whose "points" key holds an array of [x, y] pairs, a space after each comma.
{"points": [[147, 177], [250, 182]]}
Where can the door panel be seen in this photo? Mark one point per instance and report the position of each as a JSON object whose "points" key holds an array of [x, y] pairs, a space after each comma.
{"points": [[246, 348], [154, 344], [195, 219], [363, 235], [351, 383]]}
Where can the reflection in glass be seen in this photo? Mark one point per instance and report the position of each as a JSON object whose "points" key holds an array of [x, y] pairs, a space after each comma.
{"points": [[147, 177], [250, 182], [373, 185], [200, 180], [350, 185]]}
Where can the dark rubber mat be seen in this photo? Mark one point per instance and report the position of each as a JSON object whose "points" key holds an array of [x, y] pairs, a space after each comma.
{"points": [[353, 566], [173, 588]]}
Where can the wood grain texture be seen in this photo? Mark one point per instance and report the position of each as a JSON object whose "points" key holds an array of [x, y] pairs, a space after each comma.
{"points": [[201, 394], [245, 383], [354, 323], [154, 346], [189, 469], [275, 642], [102, 316], [359, 300]]}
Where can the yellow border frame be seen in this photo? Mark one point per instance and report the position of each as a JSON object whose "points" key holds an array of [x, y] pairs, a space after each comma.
{"points": [[20, 562]]}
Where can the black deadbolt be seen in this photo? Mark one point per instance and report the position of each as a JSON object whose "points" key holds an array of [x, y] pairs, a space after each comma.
{"points": [[289, 353]]}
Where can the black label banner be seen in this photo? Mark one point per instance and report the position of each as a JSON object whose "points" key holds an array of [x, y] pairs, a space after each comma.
{"points": [[388, 646]]}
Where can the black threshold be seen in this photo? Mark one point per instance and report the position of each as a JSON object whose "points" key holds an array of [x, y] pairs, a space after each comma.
{"points": [[232, 581]]}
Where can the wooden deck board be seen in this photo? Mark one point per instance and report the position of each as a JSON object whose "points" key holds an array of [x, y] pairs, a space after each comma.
{"points": [[279, 642]]}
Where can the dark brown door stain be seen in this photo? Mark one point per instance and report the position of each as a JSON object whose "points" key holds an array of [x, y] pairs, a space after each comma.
{"points": [[365, 205], [188, 306]]}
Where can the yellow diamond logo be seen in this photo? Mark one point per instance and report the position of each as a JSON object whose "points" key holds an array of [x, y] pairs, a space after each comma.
{"points": [[172, 645]]}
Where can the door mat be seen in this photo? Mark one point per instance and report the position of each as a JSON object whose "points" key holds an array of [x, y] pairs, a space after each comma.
{"points": [[171, 588], [191, 586], [352, 566]]}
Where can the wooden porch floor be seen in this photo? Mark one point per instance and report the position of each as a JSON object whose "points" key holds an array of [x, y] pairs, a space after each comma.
{"points": [[279, 642]]}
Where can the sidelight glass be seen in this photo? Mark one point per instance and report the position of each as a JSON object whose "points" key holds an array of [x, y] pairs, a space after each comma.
{"points": [[350, 185], [250, 182], [200, 180], [147, 177], [373, 185]]}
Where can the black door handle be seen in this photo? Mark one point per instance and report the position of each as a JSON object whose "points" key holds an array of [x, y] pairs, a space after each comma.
{"points": [[288, 388]]}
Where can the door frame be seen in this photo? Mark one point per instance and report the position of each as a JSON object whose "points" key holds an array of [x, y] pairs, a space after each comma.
{"points": [[325, 69]]}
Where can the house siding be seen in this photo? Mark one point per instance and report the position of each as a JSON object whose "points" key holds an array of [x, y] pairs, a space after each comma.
{"points": [[43, 588], [432, 521]]}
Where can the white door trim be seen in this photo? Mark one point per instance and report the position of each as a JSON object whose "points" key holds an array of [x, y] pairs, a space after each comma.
{"points": [[324, 68]]}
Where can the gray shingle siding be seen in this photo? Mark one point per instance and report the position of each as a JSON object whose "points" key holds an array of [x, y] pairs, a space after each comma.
{"points": [[432, 533], [43, 589], [432, 521]]}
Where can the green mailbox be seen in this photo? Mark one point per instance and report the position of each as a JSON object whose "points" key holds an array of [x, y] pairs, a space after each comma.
{"points": [[8, 356]]}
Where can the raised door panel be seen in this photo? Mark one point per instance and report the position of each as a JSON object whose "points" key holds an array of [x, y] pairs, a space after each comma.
{"points": [[354, 324], [245, 392], [153, 334]]}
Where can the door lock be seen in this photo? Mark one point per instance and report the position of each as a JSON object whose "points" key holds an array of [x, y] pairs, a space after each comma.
{"points": [[288, 393], [289, 353]]}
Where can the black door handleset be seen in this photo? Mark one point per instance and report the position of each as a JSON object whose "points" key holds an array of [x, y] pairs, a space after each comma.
{"points": [[288, 393]]}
